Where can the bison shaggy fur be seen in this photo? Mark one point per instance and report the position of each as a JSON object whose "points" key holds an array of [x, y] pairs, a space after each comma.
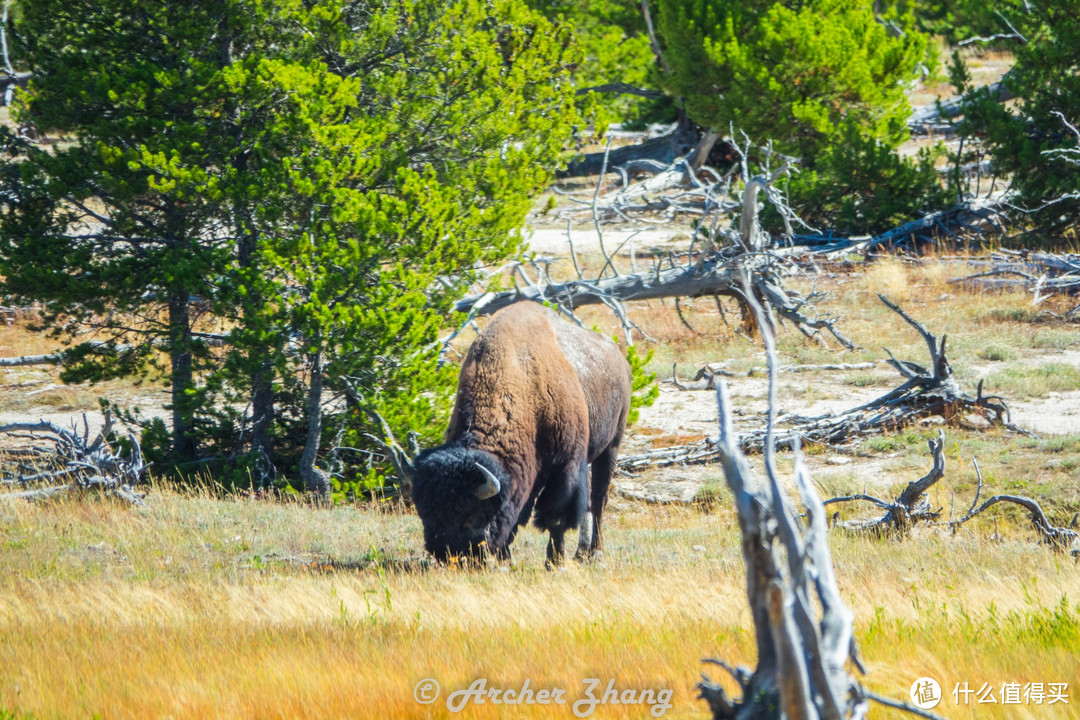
{"points": [[538, 400]]}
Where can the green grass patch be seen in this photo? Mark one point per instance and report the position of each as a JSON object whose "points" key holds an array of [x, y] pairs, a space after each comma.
{"points": [[869, 379], [1055, 339], [1016, 315], [893, 443], [1035, 381]]}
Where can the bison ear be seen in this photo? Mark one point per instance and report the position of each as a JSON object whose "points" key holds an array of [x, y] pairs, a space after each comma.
{"points": [[491, 485]]}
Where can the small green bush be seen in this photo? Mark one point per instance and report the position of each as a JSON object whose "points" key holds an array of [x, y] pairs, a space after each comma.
{"points": [[997, 353]]}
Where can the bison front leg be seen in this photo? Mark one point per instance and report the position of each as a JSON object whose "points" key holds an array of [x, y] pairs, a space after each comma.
{"points": [[555, 548], [563, 505]]}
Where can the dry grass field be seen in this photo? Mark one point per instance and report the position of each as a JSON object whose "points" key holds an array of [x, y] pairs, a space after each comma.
{"points": [[203, 607], [209, 606]]}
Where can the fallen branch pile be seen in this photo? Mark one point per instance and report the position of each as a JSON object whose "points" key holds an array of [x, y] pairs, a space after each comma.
{"points": [[737, 267], [722, 274], [912, 508], [925, 393], [1041, 274], [64, 461], [659, 188]]}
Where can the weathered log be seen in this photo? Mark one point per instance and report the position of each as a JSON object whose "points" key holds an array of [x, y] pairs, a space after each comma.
{"points": [[707, 376], [802, 627], [677, 141], [10, 81], [101, 347], [24, 360], [979, 215], [1041, 274], [931, 119]]}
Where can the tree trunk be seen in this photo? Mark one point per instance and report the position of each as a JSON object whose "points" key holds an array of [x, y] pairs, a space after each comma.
{"points": [[701, 152], [262, 377], [183, 378], [262, 439], [316, 481], [677, 142]]}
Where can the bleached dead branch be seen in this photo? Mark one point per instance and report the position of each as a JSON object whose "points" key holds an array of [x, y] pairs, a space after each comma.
{"points": [[802, 627], [63, 460]]}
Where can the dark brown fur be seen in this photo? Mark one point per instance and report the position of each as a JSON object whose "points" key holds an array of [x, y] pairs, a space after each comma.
{"points": [[538, 400]]}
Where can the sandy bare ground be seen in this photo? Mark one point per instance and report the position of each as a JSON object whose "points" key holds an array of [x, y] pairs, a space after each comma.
{"points": [[549, 240]]}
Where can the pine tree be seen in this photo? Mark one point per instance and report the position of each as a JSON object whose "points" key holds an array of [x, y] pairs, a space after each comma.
{"points": [[1030, 142], [614, 43], [100, 228], [341, 169], [810, 77]]}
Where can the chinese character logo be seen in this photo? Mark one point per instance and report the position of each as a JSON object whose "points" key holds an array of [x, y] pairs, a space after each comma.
{"points": [[925, 693]]}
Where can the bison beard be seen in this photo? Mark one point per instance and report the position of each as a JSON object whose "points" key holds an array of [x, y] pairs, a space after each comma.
{"points": [[538, 400]]}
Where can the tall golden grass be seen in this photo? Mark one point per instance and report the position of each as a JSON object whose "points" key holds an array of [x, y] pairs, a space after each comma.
{"points": [[198, 607]]}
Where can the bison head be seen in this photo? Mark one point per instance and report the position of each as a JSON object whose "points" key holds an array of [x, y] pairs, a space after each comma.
{"points": [[460, 496]]}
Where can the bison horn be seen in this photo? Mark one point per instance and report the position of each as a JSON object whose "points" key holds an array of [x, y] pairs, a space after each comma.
{"points": [[491, 485]]}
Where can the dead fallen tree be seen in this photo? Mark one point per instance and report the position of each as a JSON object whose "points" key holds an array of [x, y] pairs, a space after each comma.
{"points": [[103, 348], [678, 140], [684, 184], [803, 630], [731, 263], [935, 119], [926, 392], [57, 461], [721, 275], [910, 508], [681, 138], [1044, 275], [969, 221], [677, 188], [973, 217]]}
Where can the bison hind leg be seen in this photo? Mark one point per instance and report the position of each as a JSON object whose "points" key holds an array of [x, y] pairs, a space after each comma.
{"points": [[584, 547], [603, 468]]}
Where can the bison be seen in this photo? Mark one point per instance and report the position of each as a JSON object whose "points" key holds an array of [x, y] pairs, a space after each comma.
{"points": [[538, 400]]}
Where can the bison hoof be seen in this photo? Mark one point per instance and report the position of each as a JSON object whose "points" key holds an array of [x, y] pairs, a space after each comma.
{"points": [[555, 565]]}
